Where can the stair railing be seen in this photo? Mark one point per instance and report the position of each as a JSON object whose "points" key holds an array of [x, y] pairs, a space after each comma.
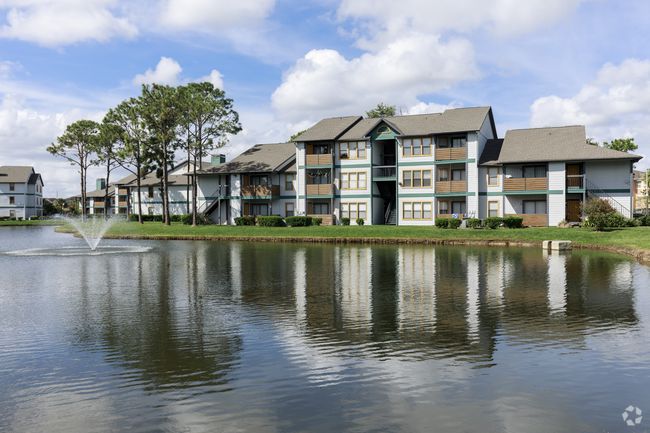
{"points": [[389, 210], [595, 192]]}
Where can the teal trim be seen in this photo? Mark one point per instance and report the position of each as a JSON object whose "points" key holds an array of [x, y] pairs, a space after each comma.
{"points": [[418, 195], [157, 202], [309, 167], [319, 196], [352, 166], [455, 194], [410, 164], [354, 196], [382, 179], [497, 193], [13, 193], [454, 161], [617, 191], [575, 191]]}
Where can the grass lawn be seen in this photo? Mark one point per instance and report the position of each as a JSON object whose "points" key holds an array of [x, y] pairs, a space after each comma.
{"points": [[32, 223], [637, 237]]}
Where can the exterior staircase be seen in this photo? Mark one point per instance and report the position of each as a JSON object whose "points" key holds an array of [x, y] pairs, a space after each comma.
{"points": [[594, 192]]}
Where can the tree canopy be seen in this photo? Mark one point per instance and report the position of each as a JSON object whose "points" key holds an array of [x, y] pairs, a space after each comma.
{"points": [[296, 135], [621, 144], [382, 110]]}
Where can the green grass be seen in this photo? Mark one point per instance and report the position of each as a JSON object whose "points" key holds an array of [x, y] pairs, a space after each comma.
{"points": [[637, 237], [32, 223]]}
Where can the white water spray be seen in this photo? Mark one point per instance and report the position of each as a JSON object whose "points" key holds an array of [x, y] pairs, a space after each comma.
{"points": [[93, 229]]}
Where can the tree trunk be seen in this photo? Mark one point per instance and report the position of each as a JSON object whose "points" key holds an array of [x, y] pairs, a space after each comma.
{"points": [[108, 176], [194, 193], [165, 191], [83, 194]]}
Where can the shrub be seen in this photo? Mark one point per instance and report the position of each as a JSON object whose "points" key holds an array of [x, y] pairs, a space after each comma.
{"points": [[513, 222], [244, 221], [474, 223], [492, 222], [20, 218], [359, 221], [201, 219], [345, 221], [598, 212], [12, 218], [298, 221], [270, 221], [316, 221], [33, 217], [442, 223], [177, 218], [564, 224], [454, 223]]}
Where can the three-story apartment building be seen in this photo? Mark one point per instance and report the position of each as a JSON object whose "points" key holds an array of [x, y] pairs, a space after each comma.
{"points": [[21, 192]]}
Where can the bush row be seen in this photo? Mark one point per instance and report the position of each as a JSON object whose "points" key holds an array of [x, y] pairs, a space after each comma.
{"points": [[512, 222]]}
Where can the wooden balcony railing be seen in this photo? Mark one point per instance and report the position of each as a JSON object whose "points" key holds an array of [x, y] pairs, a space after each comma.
{"points": [[533, 219], [324, 189], [122, 203], [451, 153], [449, 215], [451, 186], [525, 184], [327, 219], [260, 190], [325, 159], [98, 204], [122, 191]]}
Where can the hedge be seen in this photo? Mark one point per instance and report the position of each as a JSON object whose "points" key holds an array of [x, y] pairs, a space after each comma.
{"points": [[442, 223], [359, 221], [454, 223], [345, 221], [492, 222], [298, 221], [316, 221], [270, 221], [474, 223], [245, 221], [513, 222]]}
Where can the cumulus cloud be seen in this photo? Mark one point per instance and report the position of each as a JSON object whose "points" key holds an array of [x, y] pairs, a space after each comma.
{"points": [[213, 15], [215, 78], [55, 23], [616, 104], [324, 83], [167, 72], [383, 20]]}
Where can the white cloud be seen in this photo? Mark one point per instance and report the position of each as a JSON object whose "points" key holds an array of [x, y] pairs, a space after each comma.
{"points": [[616, 104], [215, 78], [324, 83], [167, 72], [213, 15], [54, 23], [6, 67], [384, 20]]}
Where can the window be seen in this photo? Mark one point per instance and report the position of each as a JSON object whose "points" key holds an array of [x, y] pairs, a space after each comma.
{"points": [[443, 207], [458, 207], [459, 142], [259, 180], [320, 208], [493, 208], [534, 206], [352, 150], [12, 187], [355, 180], [443, 142], [150, 193], [288, 182], [150, 210], [416, 210], [259, 209], [288, 209], [446, 142], [12, 213], [443, 174], [12, 199], [321, 149], [535, 171], [416, 146], [353, 210], [458, 175], [416, 178], [493, 176], [318, 178]]}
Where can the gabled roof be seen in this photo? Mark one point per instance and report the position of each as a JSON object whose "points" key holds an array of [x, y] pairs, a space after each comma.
{"points": [[565, 143], [453, 120], [261, 158], [15, 174], [34, 178], [639, 175], [491, 151], [329, 129], [100, 192]]}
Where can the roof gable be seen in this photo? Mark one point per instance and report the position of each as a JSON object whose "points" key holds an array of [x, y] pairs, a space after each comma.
{"points": [[261, 158], [329, 129]]}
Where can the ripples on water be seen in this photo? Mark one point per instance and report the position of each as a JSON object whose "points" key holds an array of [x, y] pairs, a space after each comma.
{"points": [[207, 336]]}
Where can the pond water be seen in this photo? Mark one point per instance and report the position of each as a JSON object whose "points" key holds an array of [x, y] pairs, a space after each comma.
{"points": [[218, 336]]}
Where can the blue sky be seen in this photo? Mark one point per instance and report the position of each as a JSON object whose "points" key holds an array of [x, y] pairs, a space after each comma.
{"points": [[288, 64]]}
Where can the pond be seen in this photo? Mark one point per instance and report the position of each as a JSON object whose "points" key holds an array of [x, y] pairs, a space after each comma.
{"points": [[219, 336]]}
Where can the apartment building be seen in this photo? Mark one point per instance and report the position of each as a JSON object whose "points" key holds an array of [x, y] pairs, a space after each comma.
{"points": [[21, 192]]}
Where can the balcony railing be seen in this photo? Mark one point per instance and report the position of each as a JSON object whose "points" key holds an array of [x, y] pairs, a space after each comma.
{"points": [[525, 184], [122, 203], [386, 171], [325, 159], [323, 189], [451, 186], [575, 181], [327, 219], [533, 219], [451, 153], [98, 203], [260, 190], [122, 191], [450, 215]]}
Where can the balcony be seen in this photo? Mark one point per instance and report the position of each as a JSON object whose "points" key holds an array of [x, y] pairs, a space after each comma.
{"points": [[122, 204], [384, 172], [575, 181], [260, 190], [327, 219], [323, 189], [325, 159], [533, 219], [122, 191], [443, 187], [526, 184], [98, 203], [450, 215], [451, 153]]}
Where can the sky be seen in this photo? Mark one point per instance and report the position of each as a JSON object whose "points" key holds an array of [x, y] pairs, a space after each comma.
{"points": [[288, 63]]}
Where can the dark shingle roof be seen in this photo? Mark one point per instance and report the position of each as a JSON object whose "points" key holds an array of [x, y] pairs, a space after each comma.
{"points": [[261, 158], [491, 151], [15, 174], [329, 129], [565, 143], [34, 178], [450, 121]]}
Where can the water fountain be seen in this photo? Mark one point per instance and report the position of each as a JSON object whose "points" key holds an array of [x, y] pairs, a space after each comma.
{"points": [[93, 229]]}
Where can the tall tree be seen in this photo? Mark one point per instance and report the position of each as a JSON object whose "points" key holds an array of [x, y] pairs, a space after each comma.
{"points": [[296, 135], [132, 144], [382, 110], [621, 144], [106, 150], [208, 120], [161, 111], [592, 141], [76, 145]]}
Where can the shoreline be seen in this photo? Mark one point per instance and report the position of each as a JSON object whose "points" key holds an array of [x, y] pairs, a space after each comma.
{"points": [[640, 255]]}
